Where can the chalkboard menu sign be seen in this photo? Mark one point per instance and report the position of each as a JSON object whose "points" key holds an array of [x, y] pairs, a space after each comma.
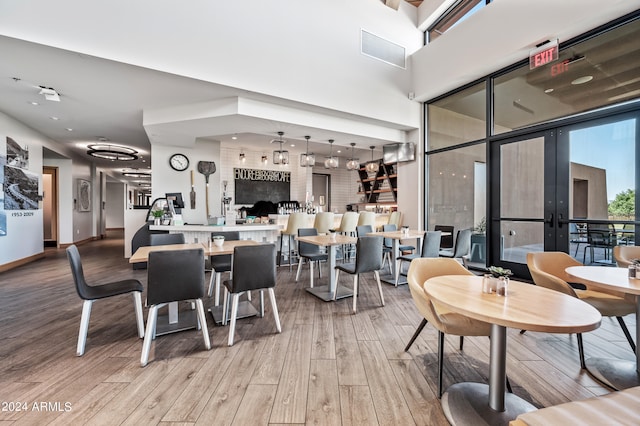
{"points": [[253, 185]]}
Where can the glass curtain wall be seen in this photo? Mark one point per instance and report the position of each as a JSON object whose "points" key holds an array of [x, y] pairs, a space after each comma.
{"points": [[565, 100]]}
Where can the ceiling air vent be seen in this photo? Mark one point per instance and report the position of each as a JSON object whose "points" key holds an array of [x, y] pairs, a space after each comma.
{"points": [[382, 49]]}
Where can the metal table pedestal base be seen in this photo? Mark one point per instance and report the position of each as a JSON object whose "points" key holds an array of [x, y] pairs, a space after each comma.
{"points": [[618, 374], [323, 292], [468, 404], [245, 310]]}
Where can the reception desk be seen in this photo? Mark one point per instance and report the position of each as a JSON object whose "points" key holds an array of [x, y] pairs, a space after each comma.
{"points": [[200, 233]]}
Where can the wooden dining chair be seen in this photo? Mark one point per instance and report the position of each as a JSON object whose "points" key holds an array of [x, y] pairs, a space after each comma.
{"points": [[548, 270], [91, 293]]}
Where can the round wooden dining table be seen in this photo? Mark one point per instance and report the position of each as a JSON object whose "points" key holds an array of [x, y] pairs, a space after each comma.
{"points": [[617, 373], [526, 307]]}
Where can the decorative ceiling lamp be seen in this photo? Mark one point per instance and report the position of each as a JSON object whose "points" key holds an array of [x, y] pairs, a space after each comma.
{"points": [[331, 162], [112, 152], [307, 159], [372, 167], [280, 156], [353, 163]]}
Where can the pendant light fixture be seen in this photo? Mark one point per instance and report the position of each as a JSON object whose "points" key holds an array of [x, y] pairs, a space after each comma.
{"points": [[331, 162], [353, 163], [280, 156], [372, 167], [307, 159]]}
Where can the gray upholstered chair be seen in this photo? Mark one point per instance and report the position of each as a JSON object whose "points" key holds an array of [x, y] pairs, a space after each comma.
{"points": [[166, 239], [461, 247], [368, 259], [254, 268], [219, 264], [363, 230], [91, 293], [310, 252], [387, 248], [446, 241], [172, 276], [430, 248]]}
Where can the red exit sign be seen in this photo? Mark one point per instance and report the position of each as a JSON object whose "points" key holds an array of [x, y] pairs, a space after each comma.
{"points": [[543, 55]]}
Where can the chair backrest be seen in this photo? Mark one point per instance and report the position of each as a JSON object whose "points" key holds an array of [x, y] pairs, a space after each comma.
{"points": [[367, 218], [296, 221], [624, 255], [431, 244], [548, 270], [462, 246], [222, 262], [323, 222], [368, 254], [388, 242], [348, 222], [166, 239], [395, 218], [174, 275], [307, 248], [76, 270], [363, 230], [420, 270], [254, 267], [446, 241]]}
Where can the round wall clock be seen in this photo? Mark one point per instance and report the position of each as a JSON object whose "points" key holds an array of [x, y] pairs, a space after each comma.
{"points": [[179, 162]]}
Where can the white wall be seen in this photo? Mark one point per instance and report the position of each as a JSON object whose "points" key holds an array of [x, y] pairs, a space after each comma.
{"points": [[115, 205]]}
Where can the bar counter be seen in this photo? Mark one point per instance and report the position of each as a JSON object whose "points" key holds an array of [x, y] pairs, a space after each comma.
{"points": [[260, 232]]}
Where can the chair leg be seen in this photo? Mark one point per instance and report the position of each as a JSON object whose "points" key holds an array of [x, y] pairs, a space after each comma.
{"points": [[234, 314], [261, 303], [377, 274], [335, 294], [415, 335], [216, 297], [461, 342], [311, 272], [225, 306], [211, 278], [290, 251], [581, 351], [149, 335], [274, 308], [137, 301], [280, 252], [509, 389], [355, 292], [84, 326], [299, 268], [203, 323], [625, 330], [440, 357], [398, 266]]}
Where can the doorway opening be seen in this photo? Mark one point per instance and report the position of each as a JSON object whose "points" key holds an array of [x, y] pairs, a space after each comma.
{"points": [[50, 206]]}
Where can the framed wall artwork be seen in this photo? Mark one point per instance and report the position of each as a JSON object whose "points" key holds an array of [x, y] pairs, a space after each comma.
{"points": [[84, 195]]}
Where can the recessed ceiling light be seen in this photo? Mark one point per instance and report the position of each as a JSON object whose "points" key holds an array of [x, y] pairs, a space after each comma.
{"points": [[548, 90], [34, 103], [54, 118], [69, 129], [582, 80]]}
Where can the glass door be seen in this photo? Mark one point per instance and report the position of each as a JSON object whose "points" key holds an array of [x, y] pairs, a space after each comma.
{"points": [[569, 189]]}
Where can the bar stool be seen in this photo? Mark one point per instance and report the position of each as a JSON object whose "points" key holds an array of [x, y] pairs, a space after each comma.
{"points": [[395, 218], [323, 222], [347, 226], [295, 222], [367, 218]]}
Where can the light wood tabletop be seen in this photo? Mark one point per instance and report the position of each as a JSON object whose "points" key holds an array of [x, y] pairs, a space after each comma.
{"points": [[399, 235], [526, 307], [327, 240], [605, 278], [142, 253]]}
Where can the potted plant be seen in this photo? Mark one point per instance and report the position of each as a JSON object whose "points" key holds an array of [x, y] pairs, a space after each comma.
{"points": [[157, 216], [479, 242]]}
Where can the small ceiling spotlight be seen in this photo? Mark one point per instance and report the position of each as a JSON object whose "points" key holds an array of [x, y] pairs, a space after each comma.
{"points": [[242, 157], [49, 93]]}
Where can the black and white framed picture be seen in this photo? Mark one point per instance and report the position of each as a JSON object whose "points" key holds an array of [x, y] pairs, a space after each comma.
{"points": [[84, 195], [17, 155], [20, 189]]}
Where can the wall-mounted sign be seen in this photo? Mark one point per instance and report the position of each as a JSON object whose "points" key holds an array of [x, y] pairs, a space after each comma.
{"points": [[253, 185], [544, 54]]}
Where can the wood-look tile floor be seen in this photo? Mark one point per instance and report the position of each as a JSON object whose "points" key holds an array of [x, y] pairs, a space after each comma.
{"points": [[326, 367]]}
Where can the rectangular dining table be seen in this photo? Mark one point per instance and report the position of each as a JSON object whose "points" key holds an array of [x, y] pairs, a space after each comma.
{"points": [[616, 373], [396, 237], [331, 291], [172, 322], [526, 307]]}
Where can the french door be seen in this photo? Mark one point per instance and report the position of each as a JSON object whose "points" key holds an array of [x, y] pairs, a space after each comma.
{"points": [[552, 189]]}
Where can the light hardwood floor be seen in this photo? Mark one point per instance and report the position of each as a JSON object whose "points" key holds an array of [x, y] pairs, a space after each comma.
{"points": [[327, 367]]}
